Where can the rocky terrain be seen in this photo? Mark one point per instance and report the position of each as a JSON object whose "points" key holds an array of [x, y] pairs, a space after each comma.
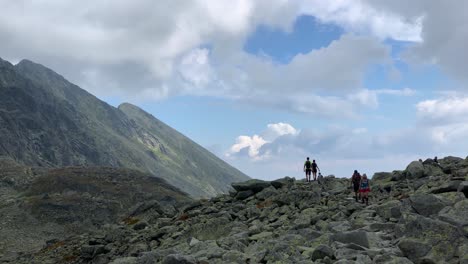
{"points": [[418, 215], [49, 122], [39, 205]]}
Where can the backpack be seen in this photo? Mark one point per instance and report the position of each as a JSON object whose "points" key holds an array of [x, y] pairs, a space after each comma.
{"points": [[308, 164], [356, 178]]}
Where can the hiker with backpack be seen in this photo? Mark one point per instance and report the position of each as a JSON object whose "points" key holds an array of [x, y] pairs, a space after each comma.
{"points": [[314, 169], [364, 189], [355, 184], [307, 169]]}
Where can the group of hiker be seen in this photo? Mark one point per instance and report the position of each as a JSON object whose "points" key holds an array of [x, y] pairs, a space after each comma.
{"points": [[360, 184], [310, 167], [361, 187]]}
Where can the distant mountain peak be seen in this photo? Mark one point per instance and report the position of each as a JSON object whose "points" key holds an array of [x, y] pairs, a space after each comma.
{"points": [[38, 70], [52, 122], [4, 63]]}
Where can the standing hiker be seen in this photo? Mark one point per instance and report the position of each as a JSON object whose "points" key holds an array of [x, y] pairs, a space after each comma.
{"points": [[355, 182], [307, 169], [314, 169], [364, 189]]}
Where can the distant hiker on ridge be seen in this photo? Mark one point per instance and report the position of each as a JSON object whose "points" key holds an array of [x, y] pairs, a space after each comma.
{"points": [[364, 189], [355, 182], [307, 169], [314, 169]]}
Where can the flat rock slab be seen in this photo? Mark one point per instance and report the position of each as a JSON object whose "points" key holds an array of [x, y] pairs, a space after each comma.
{"points": [[357, 237], [251, 185], [261, 236], [426, 204]]}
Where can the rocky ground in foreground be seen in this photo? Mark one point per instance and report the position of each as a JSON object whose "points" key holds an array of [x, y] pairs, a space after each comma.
{"points": [[418, 215], [43, 204]]}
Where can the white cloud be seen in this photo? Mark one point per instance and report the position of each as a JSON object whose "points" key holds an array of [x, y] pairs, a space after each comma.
{"points": [[444, 32], [444, 110], [280, 129], [362, 17], [252, 145], [401, 92], [153, 50], [339, 150]]}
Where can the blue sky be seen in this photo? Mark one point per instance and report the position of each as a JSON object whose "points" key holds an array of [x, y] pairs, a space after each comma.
{"points": [[365, 85]]}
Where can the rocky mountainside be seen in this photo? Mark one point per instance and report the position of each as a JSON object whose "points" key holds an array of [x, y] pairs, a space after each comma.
{"points": [[38, 204], [418, 215], [47, 121]]}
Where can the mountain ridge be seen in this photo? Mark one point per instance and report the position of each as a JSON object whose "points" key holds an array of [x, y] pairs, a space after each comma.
{"points": [[48, 121]]}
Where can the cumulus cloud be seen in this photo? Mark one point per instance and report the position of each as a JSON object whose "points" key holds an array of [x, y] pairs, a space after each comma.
{"points": [[339, 150], [251, 145], [453, 109], [443, 31], [146, 50], [363, 17]]}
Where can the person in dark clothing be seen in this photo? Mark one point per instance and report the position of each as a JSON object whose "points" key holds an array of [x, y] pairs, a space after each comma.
{"points": [[314, 169], [307, 169], [355, 184]]}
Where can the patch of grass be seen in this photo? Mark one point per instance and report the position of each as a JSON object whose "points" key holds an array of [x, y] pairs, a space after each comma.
{"points": [[131, 220], [54, 246], [70, 258], [264, 204], [183, 217]]}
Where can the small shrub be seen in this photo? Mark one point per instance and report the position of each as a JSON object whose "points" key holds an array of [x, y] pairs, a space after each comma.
{"points": [[183, 217]]}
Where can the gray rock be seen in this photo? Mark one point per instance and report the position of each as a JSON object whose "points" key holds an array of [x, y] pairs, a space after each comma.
{"points": [[456, 215], [426, 204], [179, 259], [390, 209], [140, 225], [451, 186], [321, 252], [266, 193], [260, 236], [125, 260], [357, 237], [252, 185], [382, 176], [389, 259], [242, 195], [280, 183], [413, 249], [415, 170], [463, 187]]}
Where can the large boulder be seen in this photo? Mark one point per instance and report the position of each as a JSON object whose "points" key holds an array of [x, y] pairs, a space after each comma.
{"points": [[414, 249], [415, 170], [280, 183], [382, 177], [251, 185], [463, 187], [456, 215], [442, 236], [390, 209], [451, 186], [426, 204]]}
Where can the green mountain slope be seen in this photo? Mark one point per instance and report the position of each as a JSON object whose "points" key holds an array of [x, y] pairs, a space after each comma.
{"points": [[47, 121]]}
